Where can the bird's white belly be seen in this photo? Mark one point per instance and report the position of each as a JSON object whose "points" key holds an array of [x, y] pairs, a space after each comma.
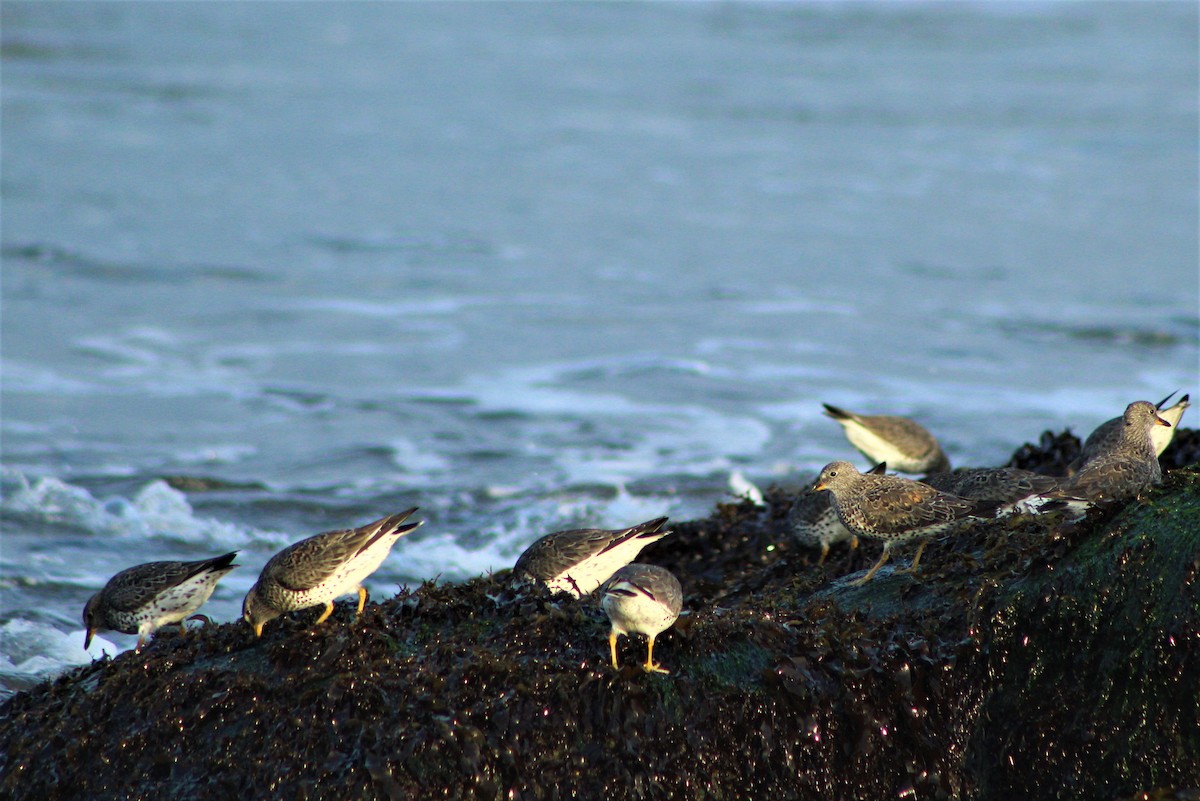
{"points": [[637, 615], [585, 577], [349, 577], [878, 449]]}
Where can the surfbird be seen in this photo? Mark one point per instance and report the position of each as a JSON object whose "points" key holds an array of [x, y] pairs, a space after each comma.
{"points": [[315, 571], [894, 509], [641, 599], [147, 597], [904, 444], [1128, 464], [1109, 432], [580, 560], [1018, 490], [815, 522]]}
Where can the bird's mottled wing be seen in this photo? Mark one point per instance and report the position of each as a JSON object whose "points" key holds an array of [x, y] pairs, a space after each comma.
{"points": [[1001, 483], [311, 562], [554, 553], [900, 429], [1110, 478], [909, 436], [1014, 484], [902, 506], [1103, 437], [133, 588]]}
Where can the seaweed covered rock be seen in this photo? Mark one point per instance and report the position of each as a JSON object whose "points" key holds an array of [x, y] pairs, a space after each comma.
{"points": [[1029, 658]]}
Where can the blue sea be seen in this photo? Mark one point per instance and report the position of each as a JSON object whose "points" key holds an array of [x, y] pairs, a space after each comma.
{"points": [[271, 269]]}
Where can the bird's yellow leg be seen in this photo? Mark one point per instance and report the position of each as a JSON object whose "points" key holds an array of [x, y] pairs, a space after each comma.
{"points": [[917, 558], [824, 553], [328, 611], [871, 572], [362, 599], [650, 667], [854, 543], [612, 647]]}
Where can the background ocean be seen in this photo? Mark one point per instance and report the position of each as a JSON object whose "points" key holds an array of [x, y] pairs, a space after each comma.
{"points": [[272, 269]]}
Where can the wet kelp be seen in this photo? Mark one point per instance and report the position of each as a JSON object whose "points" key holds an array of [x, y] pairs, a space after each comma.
{"points": [[1030, 658]]}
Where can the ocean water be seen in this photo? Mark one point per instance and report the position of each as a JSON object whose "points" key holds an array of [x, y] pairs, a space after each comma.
{"points": [[273, 269]]}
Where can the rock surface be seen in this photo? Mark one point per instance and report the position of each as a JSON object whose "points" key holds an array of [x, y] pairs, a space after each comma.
{"points": [[1029, 658]]}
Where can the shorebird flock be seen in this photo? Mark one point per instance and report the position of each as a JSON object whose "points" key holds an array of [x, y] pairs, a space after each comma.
{"points": [[1118, 462]]}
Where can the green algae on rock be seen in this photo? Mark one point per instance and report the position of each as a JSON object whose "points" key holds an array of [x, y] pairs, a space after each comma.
{"points": [[1030, 658]]}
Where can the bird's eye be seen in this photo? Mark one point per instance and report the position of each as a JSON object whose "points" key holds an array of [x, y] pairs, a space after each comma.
{"points": [[832, 473]]}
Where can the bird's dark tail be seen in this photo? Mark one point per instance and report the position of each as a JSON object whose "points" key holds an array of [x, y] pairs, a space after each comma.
{"points": [[836, 413], [987, 509], [222, 562], [648, 528], [651, 528]]}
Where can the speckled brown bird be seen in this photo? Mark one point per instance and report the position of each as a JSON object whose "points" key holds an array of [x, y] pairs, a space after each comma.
{"points": [[641, 599], [894, 509], [1110, 432], [1009, 485], [904, 444], [315, 571], [146, 597], [580, 560], [1128, 464], [815, 523]]}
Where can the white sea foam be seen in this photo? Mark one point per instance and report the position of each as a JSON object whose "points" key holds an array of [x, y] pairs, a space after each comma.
{"points": [[442, 557], [663, 438], [157, 511], [31, 652], [626, 509], [412, 459]]}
